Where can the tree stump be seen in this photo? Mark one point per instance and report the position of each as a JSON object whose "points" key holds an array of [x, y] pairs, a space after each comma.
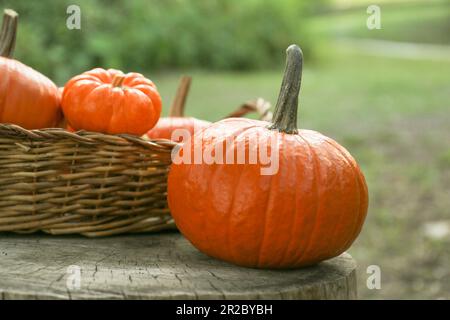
{"points": [[157, 266]]}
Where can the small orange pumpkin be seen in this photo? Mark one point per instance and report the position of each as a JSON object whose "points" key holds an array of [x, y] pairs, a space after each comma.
{"points": [[27, 98], [111, 102], [311, 209], [176, 119]]}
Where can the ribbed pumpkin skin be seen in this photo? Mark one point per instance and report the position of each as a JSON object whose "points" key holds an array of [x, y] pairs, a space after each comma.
{"points": [[312, 209], [167, 125], [90, 102], [27, 97]]}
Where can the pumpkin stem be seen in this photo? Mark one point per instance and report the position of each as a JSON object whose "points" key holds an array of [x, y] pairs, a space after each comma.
{"points": [[8, 33], [285, 116], [118, 80], [178, 104]]}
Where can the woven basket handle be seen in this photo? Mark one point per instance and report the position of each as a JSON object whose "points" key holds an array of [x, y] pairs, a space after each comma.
{"points": [[260, 106], [179, 102]]}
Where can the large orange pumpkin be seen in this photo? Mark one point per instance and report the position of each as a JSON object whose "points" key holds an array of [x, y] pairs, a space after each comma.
{"points": [[312, 208], [176, 119], [27, 98], [111, 102]]}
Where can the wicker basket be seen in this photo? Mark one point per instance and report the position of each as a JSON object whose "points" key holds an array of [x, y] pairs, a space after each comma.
{"points": [[87, 183]]}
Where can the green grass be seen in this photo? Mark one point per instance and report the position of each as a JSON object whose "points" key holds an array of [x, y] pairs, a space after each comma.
{"points": [[423, 22], [348, 88], [393, 116]]}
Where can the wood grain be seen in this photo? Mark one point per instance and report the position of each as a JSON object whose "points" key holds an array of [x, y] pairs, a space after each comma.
{"points": [[158, 266]]}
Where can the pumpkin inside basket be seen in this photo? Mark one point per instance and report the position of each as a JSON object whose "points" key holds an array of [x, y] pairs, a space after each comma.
{"points": [[167, 126]]}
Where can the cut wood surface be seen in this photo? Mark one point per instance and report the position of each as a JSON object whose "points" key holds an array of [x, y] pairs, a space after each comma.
{"points": [[158, 266]]}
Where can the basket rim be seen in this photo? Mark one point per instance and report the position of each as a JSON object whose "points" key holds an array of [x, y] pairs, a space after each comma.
{"points": [[83, 137]]}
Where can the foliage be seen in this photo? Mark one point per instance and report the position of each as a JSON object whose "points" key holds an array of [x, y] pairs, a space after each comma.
{"points": [[147, 35]]}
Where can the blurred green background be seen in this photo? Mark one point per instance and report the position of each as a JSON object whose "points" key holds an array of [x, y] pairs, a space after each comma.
{"points": [[383, 94]]}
